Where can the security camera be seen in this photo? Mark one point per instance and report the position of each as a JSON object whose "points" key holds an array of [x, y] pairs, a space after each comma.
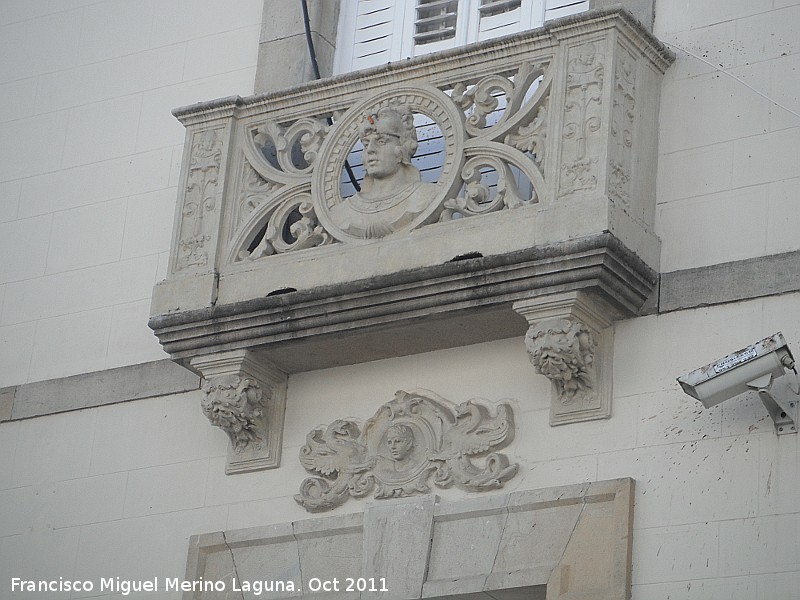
{"points": [[733, 374], [756, 367]]}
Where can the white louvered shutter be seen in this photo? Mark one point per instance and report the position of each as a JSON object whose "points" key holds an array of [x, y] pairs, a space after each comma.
{"points": [[370, 34], [555, 9], [375, 32], [435, 25], [501, 17]]}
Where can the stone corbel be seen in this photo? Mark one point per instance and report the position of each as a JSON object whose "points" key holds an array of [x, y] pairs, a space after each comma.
{"points": [[245, 396], [570, 341]]}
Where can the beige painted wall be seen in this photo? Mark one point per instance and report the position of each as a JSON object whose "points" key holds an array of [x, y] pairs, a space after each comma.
{"points": [[729, 169], [90, 158], [88, 168], [89, 492], [89, 161]]}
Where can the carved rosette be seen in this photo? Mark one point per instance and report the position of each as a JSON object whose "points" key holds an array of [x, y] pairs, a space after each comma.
{"points": [[415, 436], [200, 200], [583, 119]]}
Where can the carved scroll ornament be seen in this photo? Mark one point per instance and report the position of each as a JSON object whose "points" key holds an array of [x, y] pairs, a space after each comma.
{"points": [[622, 126], [289, 193], [583, 119], [394, 454]]}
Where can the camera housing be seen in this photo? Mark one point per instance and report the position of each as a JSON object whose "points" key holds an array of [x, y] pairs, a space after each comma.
{"points": [[755, 367]]}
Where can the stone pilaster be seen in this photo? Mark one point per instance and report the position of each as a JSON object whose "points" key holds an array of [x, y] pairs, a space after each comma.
{"points": [[283, 55]]}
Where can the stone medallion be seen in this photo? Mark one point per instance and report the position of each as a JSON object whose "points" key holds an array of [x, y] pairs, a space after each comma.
{"points": [[392, 199]]}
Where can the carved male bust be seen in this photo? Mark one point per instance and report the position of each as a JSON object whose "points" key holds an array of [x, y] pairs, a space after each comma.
{"points": [[391, 194]]}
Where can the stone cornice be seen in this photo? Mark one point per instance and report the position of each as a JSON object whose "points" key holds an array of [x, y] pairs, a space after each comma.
{"points": [[89, 390], [202, 112], [737, 281]]}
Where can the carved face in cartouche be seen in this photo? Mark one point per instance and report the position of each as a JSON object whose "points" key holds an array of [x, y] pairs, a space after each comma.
{"points": [[400, 441]]}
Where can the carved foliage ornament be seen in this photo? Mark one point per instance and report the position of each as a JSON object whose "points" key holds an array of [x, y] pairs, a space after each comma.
{"points": [[622, 124], [235, 405], [411, 438], [563, 351], [582, 119], [200, 200]]}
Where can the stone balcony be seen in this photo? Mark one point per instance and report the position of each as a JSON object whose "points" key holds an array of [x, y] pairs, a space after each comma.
{"points": [[539, 209]]}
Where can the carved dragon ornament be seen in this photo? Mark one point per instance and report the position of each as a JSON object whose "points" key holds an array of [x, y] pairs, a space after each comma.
{"points": [[413, 437]]}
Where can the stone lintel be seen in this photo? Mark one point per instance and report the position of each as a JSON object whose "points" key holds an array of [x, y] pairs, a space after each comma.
{"points": [[567, 542], [397, 538], [570, 341], [245, 396]]}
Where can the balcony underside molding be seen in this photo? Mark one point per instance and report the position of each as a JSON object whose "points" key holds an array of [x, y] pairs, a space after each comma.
{"points": [[466, 301]]}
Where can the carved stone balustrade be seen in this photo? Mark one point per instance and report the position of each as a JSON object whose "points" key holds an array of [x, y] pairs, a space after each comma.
{"points": [[538, 159]]}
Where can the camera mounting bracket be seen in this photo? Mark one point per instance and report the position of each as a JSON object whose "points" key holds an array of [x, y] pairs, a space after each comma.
{"points": [[781, 401]]}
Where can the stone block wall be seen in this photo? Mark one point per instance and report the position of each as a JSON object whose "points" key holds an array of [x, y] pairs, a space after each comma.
{"points": [[87, 493], [89, 162], [730, 124]]}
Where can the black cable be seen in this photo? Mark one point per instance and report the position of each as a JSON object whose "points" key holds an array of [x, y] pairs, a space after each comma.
{"points": [[312, 53], [309, 41]]}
